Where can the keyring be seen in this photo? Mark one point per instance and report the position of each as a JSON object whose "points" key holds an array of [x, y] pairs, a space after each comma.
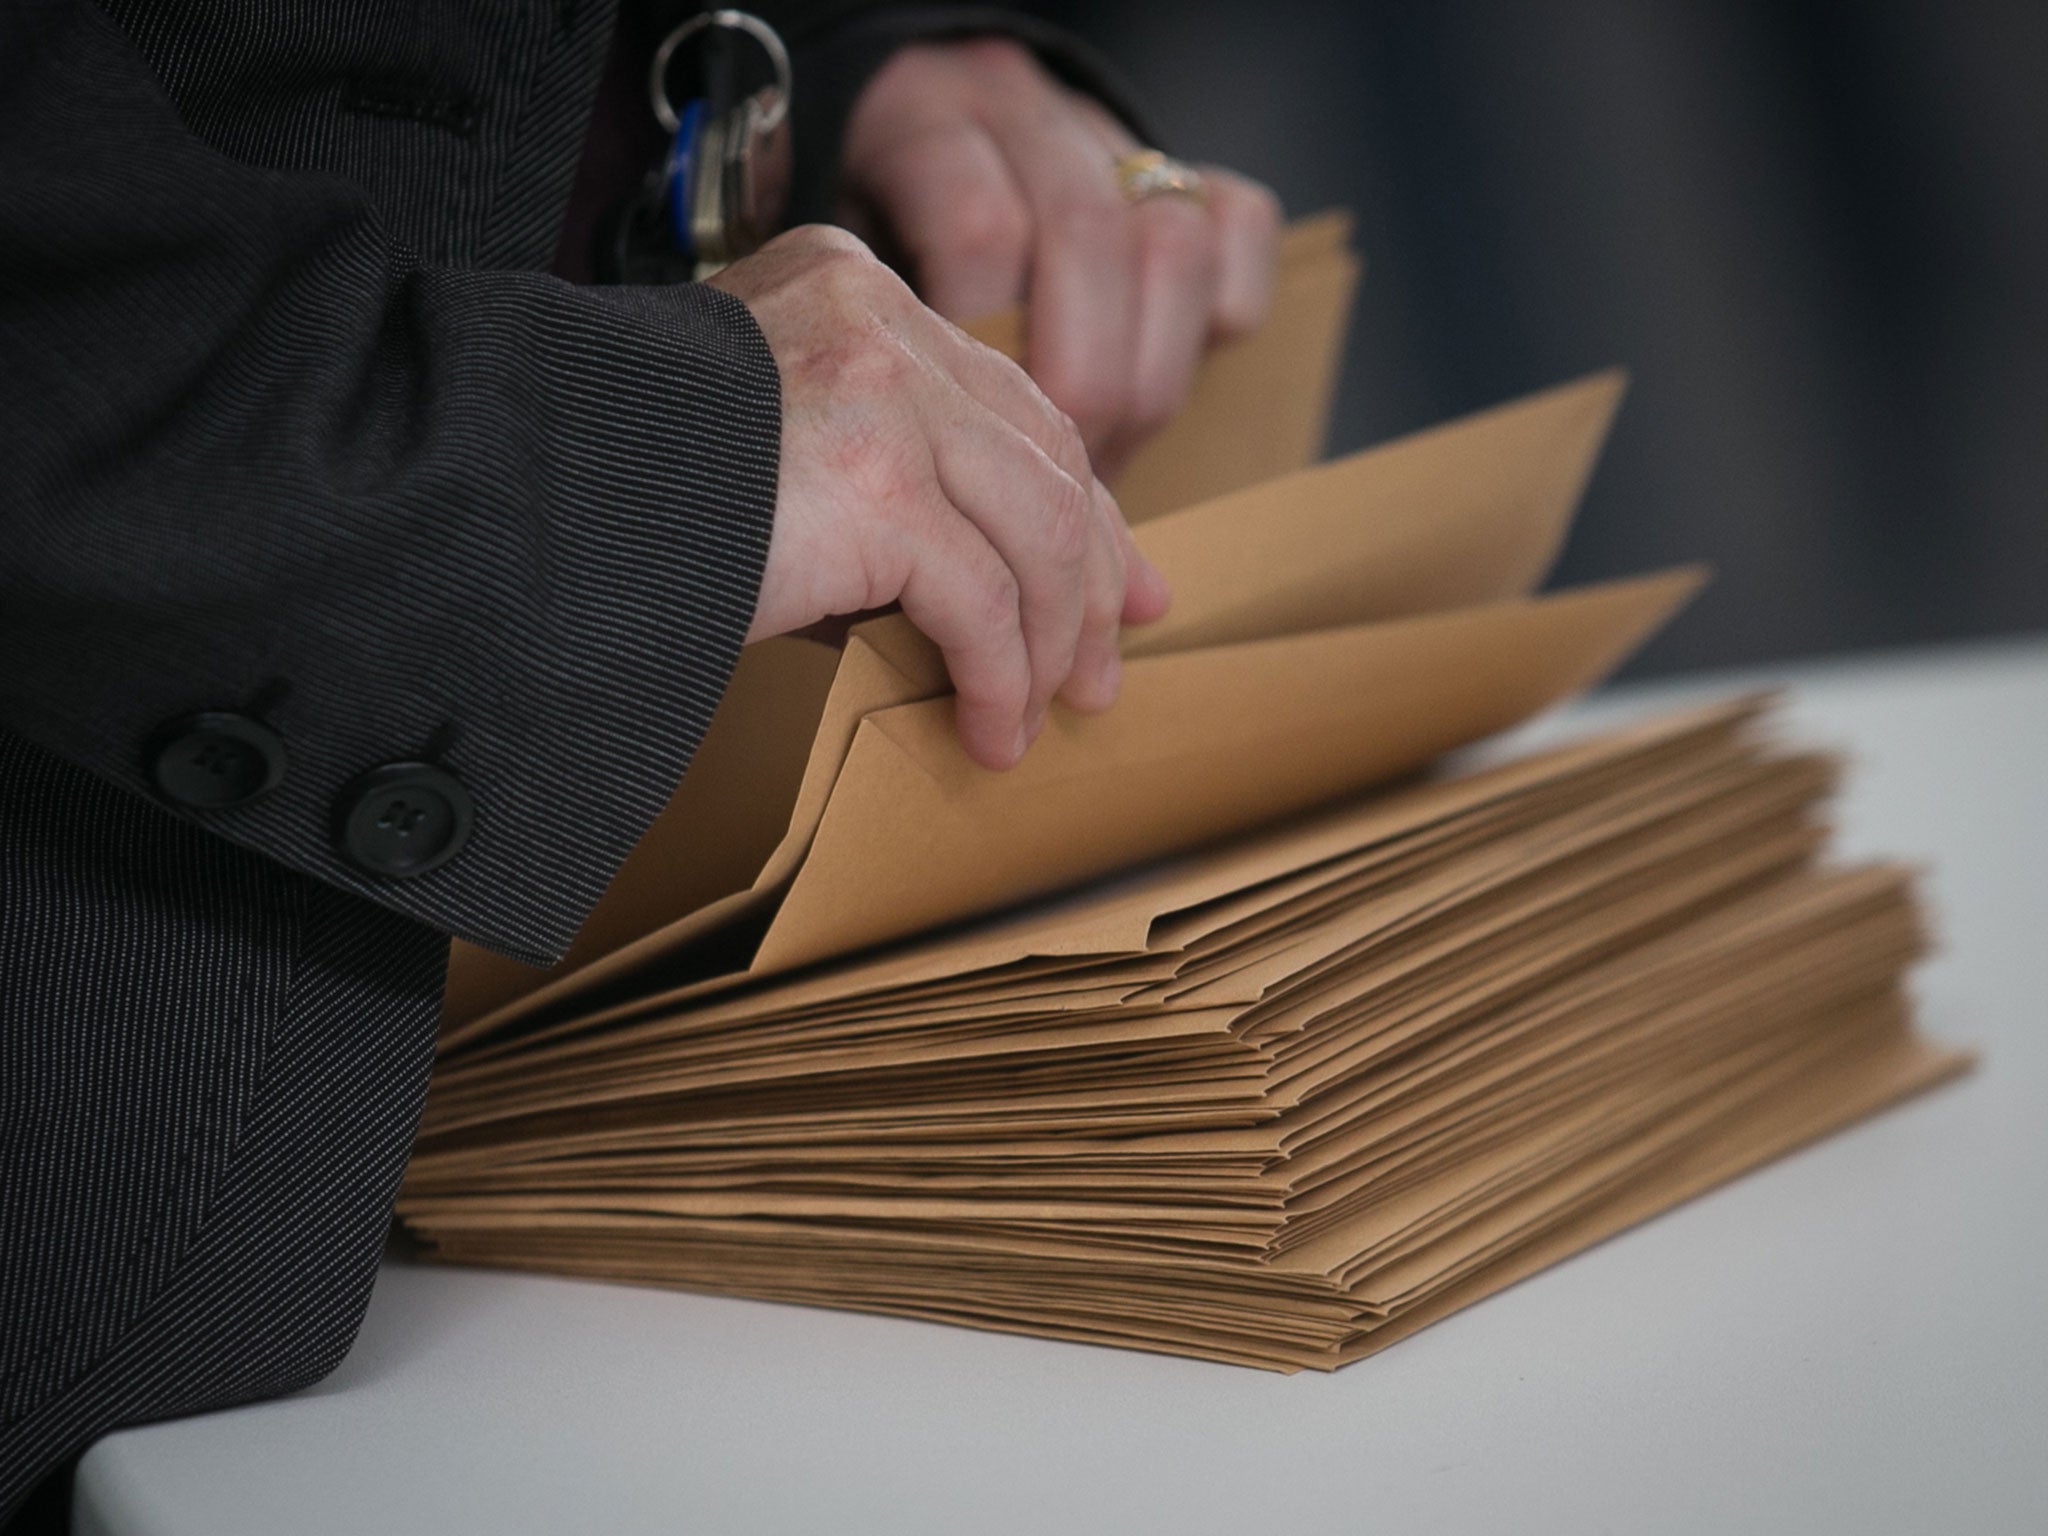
{"points": [[737, 21]]}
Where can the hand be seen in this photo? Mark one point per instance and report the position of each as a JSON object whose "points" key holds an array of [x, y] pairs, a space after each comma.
{"points": [[919, 466], [998, 184]]}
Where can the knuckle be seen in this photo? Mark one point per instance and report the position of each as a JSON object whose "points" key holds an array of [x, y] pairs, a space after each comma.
{"points": [[828, 243], [847, 270], [993, 601], [842, 285]]}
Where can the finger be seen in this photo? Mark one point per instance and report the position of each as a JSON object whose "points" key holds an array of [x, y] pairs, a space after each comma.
{"points": [[1146, 593], [1098, 663], [1004, 388], [950, 201], [1247, 219], [1108, 130], [1083, 285], [1177, 267], [1048, 529], [1097, 670], [962, 595]]}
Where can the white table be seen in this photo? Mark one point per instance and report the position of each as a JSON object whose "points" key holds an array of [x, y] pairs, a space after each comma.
{"points": [[1855, 1339]]}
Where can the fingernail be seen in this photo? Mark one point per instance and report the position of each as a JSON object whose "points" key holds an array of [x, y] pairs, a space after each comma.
{"points": [[1112, 676], [1024, 735]]}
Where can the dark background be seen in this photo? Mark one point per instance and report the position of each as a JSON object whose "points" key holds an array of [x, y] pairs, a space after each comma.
{"points": [[1817, 234]]}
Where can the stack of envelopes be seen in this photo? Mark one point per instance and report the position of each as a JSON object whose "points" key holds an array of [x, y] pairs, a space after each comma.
{"points": [[1232, 1022]]}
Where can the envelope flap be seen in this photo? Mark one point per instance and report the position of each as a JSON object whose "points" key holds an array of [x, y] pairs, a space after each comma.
{"points": [[1201, 744], [1470, 512]]}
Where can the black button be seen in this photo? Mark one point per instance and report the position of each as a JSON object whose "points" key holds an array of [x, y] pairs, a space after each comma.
{"points": [[215, 760], [403, 819]]}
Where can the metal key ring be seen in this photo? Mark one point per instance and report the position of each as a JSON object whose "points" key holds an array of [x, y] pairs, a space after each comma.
{"points": [[738, 21]]}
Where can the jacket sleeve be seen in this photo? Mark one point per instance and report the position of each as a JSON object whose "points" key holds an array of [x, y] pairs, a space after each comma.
{"points": [[262, 463]]}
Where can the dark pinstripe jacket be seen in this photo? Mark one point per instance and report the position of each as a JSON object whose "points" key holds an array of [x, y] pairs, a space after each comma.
{"points": [[294, 425]]}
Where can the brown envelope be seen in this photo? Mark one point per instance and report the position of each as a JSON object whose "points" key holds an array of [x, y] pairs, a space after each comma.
{"points": [[1467, 513], [1200, 744]]}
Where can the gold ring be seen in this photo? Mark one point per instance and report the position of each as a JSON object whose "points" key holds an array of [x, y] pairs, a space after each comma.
{"points": [[1147, 173]]}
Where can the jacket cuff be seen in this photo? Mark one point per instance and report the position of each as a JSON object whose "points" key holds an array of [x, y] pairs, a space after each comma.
{"points": [[661, 471], [551, 629], [630, 594]]}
